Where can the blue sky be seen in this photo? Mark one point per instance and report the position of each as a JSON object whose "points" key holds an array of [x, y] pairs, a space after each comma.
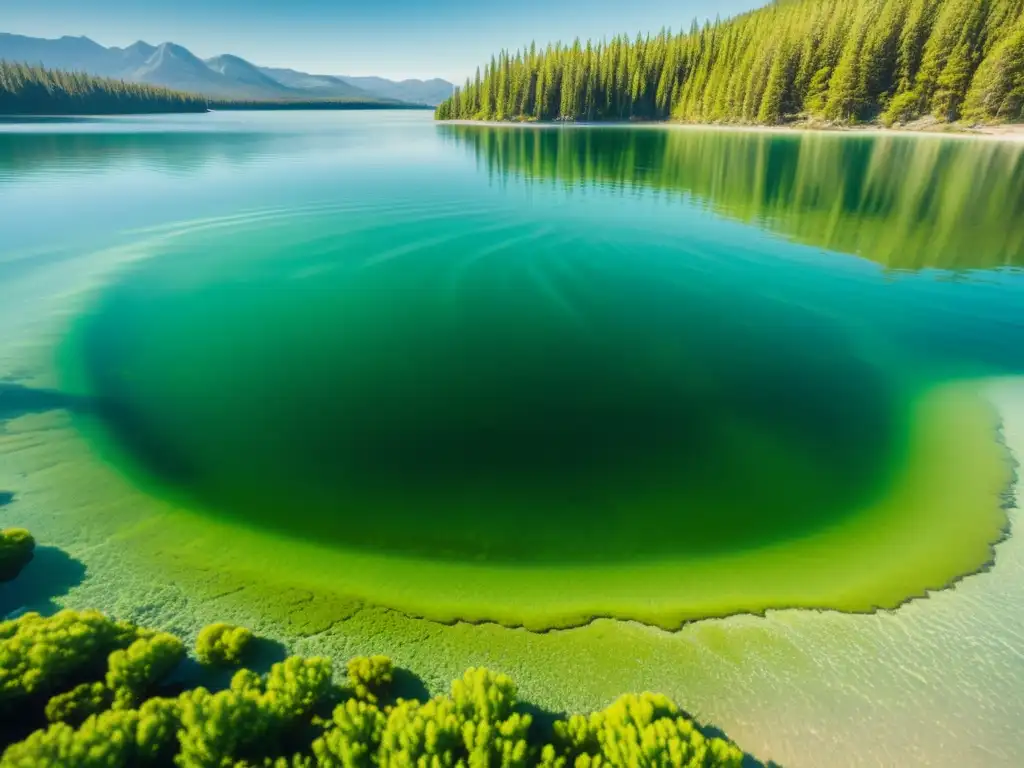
{"points": [[391, 38]]}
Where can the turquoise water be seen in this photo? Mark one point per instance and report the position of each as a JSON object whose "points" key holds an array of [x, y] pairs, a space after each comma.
{"points": [[518, 345], [295, 347]]}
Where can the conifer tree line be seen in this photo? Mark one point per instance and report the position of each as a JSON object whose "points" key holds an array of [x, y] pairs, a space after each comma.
{"points": [[836, 60], [30, 90]]}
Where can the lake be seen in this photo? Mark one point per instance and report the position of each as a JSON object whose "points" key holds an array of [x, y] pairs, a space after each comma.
{"points": [[731, 415]]}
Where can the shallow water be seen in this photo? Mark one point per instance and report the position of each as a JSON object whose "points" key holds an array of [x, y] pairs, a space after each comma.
{"points": [[524, 375]]}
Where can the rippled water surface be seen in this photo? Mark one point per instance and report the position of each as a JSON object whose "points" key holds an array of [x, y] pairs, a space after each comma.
{"points": [[522, 375]]}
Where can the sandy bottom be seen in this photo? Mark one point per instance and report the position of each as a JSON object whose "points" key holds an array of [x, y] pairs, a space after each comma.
{"points": [[936, 682]]}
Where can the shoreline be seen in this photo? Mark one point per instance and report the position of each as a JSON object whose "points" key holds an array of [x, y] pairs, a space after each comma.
{"points": [[1010, 132]]}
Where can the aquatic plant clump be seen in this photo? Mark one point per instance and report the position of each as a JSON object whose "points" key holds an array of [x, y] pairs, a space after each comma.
{"points": [[297, 715], [131, 672], [637, 730], [82, 701], [42, 655], [370, 676], [16, 550], [222, 644]]}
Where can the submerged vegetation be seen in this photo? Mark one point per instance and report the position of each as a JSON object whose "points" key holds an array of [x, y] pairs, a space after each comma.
{"points": [[223, 644], [16, 550], [81, 690], [835, 60], [29, 90]]}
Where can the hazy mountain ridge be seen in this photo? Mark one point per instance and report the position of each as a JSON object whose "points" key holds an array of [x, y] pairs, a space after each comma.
{"points": [[175, 67], [327, 86], [224, 76], [241, 73], [432, 91]]}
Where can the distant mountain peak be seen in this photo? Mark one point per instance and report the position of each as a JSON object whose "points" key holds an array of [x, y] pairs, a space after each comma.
{"points": [[229, 57], [177, 50], [80, 42], [241, 71], [431, 92], [228, 76]]}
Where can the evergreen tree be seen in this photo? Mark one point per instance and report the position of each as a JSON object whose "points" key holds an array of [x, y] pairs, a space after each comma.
{"points": [[840, 60], [998, 89], [28, 90]]}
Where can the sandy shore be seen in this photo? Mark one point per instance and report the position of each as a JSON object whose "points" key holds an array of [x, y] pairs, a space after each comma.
{"points": [[1014, 132]]}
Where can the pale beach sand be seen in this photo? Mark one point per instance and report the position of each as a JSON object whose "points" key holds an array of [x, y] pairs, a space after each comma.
{"points": [[1014, 132]]}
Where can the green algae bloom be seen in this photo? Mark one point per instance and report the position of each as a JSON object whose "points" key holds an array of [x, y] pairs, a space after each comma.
{"points": [[16, 550], [534, 441]]}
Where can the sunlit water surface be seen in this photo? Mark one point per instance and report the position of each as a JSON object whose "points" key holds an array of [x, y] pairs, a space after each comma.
{"points": [[289, 367]]}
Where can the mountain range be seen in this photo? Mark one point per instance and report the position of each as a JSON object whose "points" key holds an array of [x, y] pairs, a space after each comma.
{"points": [[224, 76]]}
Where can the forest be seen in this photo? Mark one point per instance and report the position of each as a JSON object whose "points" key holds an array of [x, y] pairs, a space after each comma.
{"points": [[30, 90], [839, 61]]}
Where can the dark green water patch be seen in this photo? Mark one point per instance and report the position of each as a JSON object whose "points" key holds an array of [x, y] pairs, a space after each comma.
{"points": [[473, 389]]}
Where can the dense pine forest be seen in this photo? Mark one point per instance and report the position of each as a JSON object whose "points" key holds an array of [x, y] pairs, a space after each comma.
{"points": [[832, 60], [28, 90]]}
